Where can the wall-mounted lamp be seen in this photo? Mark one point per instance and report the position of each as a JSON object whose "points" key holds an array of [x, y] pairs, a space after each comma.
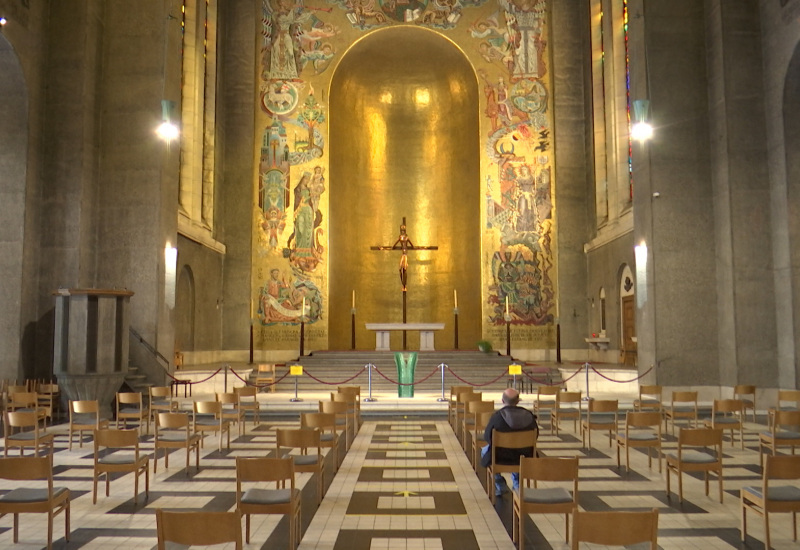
{"points": [[3, 21], [641, 130], [167, 130]]}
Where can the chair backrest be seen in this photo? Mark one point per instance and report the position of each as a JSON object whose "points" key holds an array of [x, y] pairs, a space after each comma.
{"points": [[20, 419], [515, 440], [482, 419], [615, 528], [129, 398], [246, 391], [782, 467], [550, 468], [23, 399], [333, 407], [651, 390], [468, 398], [84, 407], [198, 528], [48, 389], [266, 369], [744, 389], [117, 439], [547, 390], [264, 469], [343, 397], [320, 421], [352, 390], [160, 392], [172, 420], [603, 406], [700, 437], [568, 397], [17, 388], [455, 390], [474, 407], [786, 419], [727, 406], [26, 467], [207, 407], [228, 398], [644, 419], [684, 397], [463, 397], [302, 438]]}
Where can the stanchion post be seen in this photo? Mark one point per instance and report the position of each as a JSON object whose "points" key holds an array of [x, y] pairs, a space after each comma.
{"points": [[586, 365], [455, 327], [507, 318], [353, 328], [442, 366], [369, 367], [251, 342], [296, 371], [225, 384]]}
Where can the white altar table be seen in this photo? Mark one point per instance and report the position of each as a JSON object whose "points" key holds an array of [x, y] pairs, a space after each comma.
{"points": [[426, 330]]}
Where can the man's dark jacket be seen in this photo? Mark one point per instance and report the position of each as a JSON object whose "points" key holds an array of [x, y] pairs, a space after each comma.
{"points": [[510, 418]]}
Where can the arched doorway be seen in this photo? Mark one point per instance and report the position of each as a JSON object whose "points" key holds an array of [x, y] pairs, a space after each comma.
{"points": [[404, 134], [14, 160]]}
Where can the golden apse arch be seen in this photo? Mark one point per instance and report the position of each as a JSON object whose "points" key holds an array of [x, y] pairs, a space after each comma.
{"points": [[404, 142]]}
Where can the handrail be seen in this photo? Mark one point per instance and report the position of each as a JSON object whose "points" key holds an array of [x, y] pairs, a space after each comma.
{"points": [[153, 351]]}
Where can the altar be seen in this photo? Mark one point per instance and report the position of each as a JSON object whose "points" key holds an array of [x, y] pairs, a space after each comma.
{"points": [[426, 331]]}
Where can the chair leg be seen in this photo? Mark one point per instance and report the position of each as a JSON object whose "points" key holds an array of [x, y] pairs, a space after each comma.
{"points": [[744, 521], [247, 529], [50, 530], [766, 530]]}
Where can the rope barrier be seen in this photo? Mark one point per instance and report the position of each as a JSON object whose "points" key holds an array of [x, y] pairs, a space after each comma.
{"points": [[356, 375], [267, 385], [192, 382], [645, 373], [505, 373], [545, 383], [407, 384]]}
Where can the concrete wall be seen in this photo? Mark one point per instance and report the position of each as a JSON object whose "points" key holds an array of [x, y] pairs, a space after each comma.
{"points": [[603, 268]]}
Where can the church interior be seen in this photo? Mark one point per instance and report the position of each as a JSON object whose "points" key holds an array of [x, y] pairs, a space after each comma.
{"points": [[290, 198]]}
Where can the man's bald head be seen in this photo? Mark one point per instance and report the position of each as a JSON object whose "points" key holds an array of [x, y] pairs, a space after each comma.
{"points": [[510, 396]]}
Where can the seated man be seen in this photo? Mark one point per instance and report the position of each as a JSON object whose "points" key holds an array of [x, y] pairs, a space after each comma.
{"points": [[510, 418]]}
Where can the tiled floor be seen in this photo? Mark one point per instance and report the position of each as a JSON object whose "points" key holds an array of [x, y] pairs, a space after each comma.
{"points": [[405, 483]]}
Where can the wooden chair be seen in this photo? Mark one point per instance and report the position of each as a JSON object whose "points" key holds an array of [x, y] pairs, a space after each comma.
{"points": [[248, 401], [694, 460], [303, 439], [266, 374], [727, 414], [173, 432], [355, 392], [461, 411], [545, 400], [84, 416], [649, 398], [777, 436], [742, 391], [532, 500], [161, 401], [642, 429], [683, 405], [198, 528], [49, 500], [788, 400], [28, 436], [27, 401], [451, 405], [567, 407], [507, 440], [468, 424], [615, 528], [328, 433], [130, 406], [280, 500], [48, 396], [126, 443], [352, 413], [784, 498], [339, 410], [231, 410], [478, 442], [602, 414], [207, 417]]}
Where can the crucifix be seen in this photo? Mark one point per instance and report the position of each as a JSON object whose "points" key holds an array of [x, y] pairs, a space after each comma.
{"points": [[404, 244]]}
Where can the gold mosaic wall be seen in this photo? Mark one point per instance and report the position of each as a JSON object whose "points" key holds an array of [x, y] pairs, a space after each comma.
{"points": [[498, 150]]}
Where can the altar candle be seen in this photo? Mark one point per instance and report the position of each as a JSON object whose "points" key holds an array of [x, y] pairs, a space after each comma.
{"points": [[506, 305], [354, 299], [251, 308], [455, 298], [304, 306]]}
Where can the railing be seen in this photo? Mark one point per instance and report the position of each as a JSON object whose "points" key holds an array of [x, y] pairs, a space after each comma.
{"points": [[152, 363]]}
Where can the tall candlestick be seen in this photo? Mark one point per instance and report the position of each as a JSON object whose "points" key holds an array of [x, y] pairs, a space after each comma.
{"points": [[455, 298], [354, 299], [303, 312], [507, 305]]}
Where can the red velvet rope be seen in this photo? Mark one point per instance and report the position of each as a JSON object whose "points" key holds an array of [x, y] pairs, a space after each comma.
{"points": [[248, 383], [476, 384], [333, 383], [621, 381], [404, 384], [576, 373]]}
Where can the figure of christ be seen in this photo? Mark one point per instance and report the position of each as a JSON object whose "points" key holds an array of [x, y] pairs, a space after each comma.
{"points": [[404, 244]]}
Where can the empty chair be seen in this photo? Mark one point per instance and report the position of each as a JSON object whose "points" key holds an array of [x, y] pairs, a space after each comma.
{"points": [[310, 459], [47, 396], [642, 429], [567, 407], [521, 442], [683, 405], [747, 393], [478, 441], [207, 417], [699, 450], [30, 434], [118, 451], [198, 528], [231, 410], [728, 414], [602, 415], [473, 408], [258, 500], [451, 406], [339, 410], [130, 406], [355, 392], [352, 413], [328, 432], [161, 400], [266, 377], [545, 400], [461, 408], [649, 398], [784, 431], [248, 401], [531, 499], [615, 528], [788, 400], [173, 431], [27, 401], [45, 500], [84, 416], [765, 498]]}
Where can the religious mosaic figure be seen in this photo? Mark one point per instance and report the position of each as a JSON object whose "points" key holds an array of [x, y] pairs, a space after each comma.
{"points": [[282, 51]]}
